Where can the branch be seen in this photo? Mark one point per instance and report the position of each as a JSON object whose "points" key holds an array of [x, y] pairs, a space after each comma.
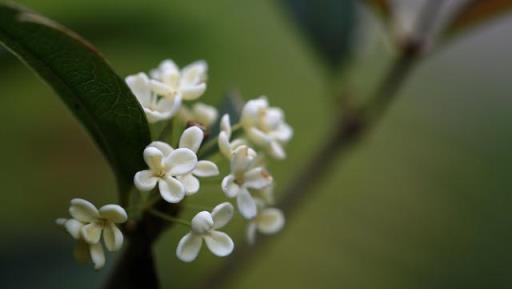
{"points": [[136, 268], [348, 130]]}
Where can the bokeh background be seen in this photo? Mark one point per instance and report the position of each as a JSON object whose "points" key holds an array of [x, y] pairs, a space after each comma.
{"points": [[425, 201]]}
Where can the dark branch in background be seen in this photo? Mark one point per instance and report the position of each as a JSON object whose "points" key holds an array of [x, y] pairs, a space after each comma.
{"points": [[348, 129]]}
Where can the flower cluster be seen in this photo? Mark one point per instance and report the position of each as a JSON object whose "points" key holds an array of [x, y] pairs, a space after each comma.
{"points": [[173, 172]]}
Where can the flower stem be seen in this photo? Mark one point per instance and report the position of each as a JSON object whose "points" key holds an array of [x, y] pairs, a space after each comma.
{"points": [[168, 218]]}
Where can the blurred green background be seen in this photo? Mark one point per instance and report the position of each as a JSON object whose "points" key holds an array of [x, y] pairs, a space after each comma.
{"points": [[424, 202]]}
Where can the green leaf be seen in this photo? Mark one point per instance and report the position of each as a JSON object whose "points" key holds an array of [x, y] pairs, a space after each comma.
{"points": [[86, 83], [328, 25], [475, 13]]}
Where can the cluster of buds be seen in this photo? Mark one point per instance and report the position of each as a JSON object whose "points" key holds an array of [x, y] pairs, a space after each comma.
{"points": [[173, 173]]}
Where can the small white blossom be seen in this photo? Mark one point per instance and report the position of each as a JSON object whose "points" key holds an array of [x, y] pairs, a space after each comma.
{"points": [[156, 108], [226, 146], [200, 113], [245, 174], [267, 221], [88, 225], [192, 138], [266, 126], [165, 165], [186, 84], [204, 227]]}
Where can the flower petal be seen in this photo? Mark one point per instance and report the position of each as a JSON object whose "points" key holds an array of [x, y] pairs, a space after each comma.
{"points": [[161, 88], [270, 221], [73, 227], [241, 160], [169, 106], [202, 223], [222, 214], [246, 204], [283, 133], [205, 114], [276, 150], [171, 190], [224, 145], [181, 161], [113, 237], [165, 148], [192, 138], [225, 125], [250, 233], [113, 213], [97, 255], [258, 137], [145, 180], [195, 72], [219, 243], [91, 233], [230, 187], [188, 247], [206, 169], [156, 116], [139, 85], [257, 178], [82, 210], [192, 92], [190, 183], [153, 158]]}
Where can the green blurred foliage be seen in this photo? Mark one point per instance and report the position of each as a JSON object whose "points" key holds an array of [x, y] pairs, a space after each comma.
{"points": [[424, 202]]}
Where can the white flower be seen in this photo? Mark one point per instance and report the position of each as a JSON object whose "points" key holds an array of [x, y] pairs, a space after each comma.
{"points": [[88, 225], [245, 174], [266, 127], [186, 84], [226, 146], [204, 227], [200, 113], [156, 108], [191, 139], [267, 221], [165, 164]]}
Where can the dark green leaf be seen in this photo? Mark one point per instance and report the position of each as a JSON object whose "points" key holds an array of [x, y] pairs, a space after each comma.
{"points": [[86, 83], [328, 24], [474, 13]]}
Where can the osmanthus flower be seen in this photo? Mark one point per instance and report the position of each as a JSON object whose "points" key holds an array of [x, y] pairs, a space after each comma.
{"points": [[266, 126], [199, 113], [204, 227], [157, 108], [165, 165], [188, 83], [88, 225], [268, 221], [246, 173], [226, 146], [191, 139]]}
